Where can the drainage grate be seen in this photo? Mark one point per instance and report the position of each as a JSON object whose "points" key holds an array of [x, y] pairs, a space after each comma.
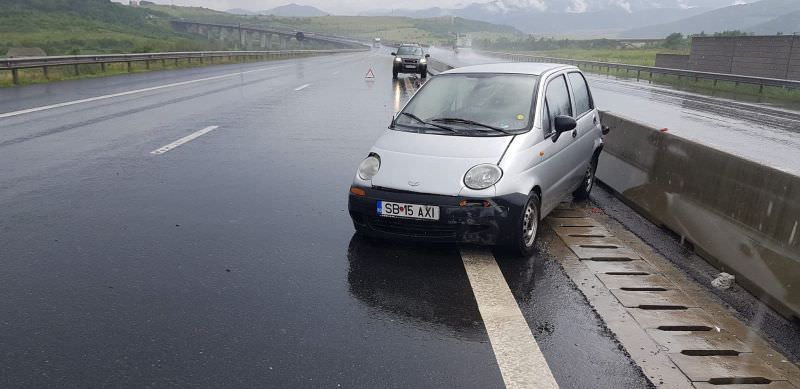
{"points": [[707, 353], [740, 381], [703, 351], [684, 328], [644, 289]]}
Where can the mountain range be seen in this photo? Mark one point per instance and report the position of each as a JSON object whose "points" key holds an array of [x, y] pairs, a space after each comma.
{"points": [[288, 10], [598, 18], [765, 17]]}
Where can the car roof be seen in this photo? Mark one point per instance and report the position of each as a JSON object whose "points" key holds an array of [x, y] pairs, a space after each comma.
{"points": [[410, 44], [532, 68]]}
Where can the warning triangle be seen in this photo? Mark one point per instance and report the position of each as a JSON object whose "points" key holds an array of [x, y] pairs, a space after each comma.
{"points": [[370, 74]]}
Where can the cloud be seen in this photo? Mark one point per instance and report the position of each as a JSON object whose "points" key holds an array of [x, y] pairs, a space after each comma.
{"points": [[624, 4], [578, 6]]}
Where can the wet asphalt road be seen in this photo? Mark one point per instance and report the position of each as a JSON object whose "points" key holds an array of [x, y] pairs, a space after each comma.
{"points": [[738, 127], [230, 261]]}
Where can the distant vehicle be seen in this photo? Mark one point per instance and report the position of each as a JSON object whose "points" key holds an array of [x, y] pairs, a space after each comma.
{"points": [[376, 43], [410, 58], [480, 154]]}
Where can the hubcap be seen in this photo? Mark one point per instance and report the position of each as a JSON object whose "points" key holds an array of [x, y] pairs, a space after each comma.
{"points": [[530, 223]]}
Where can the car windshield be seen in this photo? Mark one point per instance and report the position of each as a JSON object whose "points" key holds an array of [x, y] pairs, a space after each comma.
{"points": [[471, 105], [409, 50]]}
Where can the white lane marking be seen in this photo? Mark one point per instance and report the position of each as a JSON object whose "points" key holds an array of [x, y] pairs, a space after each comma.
{"points": [[183, 140], [111, 96], [301, 87], [521, 362]]}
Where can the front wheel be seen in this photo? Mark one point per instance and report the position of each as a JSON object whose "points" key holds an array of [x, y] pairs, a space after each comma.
{"points": [[394, 74], [583, 191], [527, 227], [423, 74]]}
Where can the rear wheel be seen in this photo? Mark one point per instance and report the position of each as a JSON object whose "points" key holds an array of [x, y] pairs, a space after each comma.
{"points": [[583, 191], [527, 227]]}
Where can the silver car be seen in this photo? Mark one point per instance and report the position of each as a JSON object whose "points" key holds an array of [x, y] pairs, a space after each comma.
{"points": [[481, 154]]}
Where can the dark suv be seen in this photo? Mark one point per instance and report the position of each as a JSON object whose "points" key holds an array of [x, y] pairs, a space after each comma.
{"points": [[410, 59]]}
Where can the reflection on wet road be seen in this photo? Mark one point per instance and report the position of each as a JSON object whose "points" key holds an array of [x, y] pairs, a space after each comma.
{"points": [[740, 128]]}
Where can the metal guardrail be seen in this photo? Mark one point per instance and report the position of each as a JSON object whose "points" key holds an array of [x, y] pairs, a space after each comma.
{"points": [[15, 64], [735, 78]]}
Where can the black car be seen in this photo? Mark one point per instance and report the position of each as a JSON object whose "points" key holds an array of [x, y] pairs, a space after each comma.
{"points": [[410, 59]]}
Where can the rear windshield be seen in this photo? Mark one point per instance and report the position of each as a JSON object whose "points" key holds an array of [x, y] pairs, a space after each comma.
{"points": [[472, 104], [409, 50]]}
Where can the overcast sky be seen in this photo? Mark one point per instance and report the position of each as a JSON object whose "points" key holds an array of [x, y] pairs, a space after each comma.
{"points": [[332, 6]]}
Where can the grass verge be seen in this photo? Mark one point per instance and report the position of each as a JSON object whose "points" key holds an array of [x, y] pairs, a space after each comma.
{"points": [[789, 98]]}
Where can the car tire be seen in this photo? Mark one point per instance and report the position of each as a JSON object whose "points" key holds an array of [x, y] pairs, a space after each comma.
{"points": [[423, 74], [527, 227], [587, 183], [394, 74]]}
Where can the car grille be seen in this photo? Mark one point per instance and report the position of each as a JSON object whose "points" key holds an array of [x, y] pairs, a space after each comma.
{"points": [[409, 61], [415, 228]]}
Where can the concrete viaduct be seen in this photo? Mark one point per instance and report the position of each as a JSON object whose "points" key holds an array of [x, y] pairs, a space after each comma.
{"points": [[245, 37]]}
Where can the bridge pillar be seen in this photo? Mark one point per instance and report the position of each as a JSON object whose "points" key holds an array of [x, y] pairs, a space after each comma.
{"points": [[264, 40], [283, 42], [243, 36]]}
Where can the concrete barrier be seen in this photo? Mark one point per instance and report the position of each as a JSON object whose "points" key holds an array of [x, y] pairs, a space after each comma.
{"points": [[741, 216]]}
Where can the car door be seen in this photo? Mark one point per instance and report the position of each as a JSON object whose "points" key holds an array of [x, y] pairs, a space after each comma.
{"points": [[555, 171], [583, 137]]}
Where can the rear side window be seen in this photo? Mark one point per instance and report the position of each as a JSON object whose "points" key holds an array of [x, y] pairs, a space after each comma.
{"points": [[583, 102], [556, 103]]}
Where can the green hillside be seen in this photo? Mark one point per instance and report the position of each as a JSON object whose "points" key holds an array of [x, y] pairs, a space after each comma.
{"points": [[89, 27]]}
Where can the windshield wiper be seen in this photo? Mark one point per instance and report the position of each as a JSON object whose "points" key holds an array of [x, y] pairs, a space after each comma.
{"points": [[415, 117], [471, 122]]}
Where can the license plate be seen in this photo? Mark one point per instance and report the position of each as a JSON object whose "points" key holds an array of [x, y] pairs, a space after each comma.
{"points": [[409, 211], [410, 66]]}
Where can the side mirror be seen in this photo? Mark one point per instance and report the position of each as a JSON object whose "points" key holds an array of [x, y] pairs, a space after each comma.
{"points": [[427, 55], [393, 53], [565, 123]]}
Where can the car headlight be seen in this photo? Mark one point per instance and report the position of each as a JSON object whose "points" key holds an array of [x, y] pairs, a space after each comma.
{"points": [[369, 167], [398, 59], [482, 176], [423, 61]]}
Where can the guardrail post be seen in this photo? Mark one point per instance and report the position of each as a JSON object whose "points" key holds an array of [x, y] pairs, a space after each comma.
{"points": [[15, 76], [147, 64], [638, 74], [163, 63], [760, 88], [46, 71], [129, 67], [103, 67], [202, 60], [77, 72]]}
